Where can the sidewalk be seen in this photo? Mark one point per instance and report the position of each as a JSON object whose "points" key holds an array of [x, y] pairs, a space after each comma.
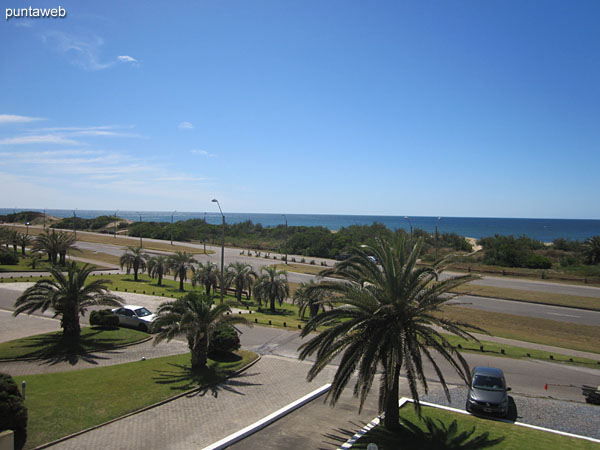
{"points": [[198, 420]]}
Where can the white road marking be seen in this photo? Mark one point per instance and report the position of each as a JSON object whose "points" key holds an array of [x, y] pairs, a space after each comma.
{"points": [[564, 315]]}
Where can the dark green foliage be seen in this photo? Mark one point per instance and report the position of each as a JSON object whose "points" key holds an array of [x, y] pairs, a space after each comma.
{"points": [[8, 257], [104, 318], [21, 217], [566, 245], [85, 224], [224, 340], [509, 251], [591, 250], [536, 261], [13, 413]]}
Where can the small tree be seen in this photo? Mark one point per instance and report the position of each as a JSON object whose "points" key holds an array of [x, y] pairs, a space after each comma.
{"points": [[67, 295], [206, 274], [158, 266], [180, 263], [272, 286], [134, 258], [13, 413], [194, 317]]}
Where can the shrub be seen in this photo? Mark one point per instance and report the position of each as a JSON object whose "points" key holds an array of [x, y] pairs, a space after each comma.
{"points": [[567, 261], [536, 261], [104, 318], [13, 413], [8, 258], [225, 340]]}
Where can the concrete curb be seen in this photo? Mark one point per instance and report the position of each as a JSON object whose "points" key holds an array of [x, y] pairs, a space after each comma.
{"points": [[146, 408], [262, 423], [581, 308]]}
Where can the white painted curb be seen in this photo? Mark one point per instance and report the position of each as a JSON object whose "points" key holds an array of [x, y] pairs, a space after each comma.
{"points": [[373, 423], [244, 432]]}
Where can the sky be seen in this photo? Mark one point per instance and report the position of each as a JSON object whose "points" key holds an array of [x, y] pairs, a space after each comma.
{"points": [[420, 108]]}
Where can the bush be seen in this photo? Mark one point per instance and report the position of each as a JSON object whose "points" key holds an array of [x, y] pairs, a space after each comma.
{"points": [[8, 258], [567, 261], [536, 261], [225, 340], [13, 413], [104, 318]]}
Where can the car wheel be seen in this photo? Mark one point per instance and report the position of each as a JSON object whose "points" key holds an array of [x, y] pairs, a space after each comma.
{"points": [[143, 327]]}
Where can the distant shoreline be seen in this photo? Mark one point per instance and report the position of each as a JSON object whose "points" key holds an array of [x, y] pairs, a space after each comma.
{"points": [[545, 230]]}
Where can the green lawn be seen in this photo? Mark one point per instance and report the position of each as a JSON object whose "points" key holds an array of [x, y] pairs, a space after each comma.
{"points": [[64, 403], [25, 265], [52, 345], [513, 437]]}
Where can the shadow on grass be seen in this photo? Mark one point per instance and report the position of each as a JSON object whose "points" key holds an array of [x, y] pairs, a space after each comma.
{"points": [[207, 380], [57, 348], [428, 434]]}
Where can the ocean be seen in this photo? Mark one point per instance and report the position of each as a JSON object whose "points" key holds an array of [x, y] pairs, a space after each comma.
{"points": [[545, 230]]}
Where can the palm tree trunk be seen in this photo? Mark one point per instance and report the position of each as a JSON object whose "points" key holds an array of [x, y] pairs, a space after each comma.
{"points": [[392, 412], [159, 278], [70, 324], [272, 304], [199, 355], [181, 274]]}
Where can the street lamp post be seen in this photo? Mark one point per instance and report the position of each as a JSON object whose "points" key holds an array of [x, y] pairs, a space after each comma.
{"points": [[138, 213], [436, 237], [74, 223], [44, 219], [411, 240], [286, 238], [116, 212], [27, 225], [222, 248], [172, 214]]}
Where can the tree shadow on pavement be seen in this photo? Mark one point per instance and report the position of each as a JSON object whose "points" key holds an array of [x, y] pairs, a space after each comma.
{"points": [[208, 379], [339, 436]]}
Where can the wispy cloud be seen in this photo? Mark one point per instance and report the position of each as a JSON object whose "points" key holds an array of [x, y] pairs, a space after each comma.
{"points": [[127, 59], [203, 153], [11, 118], [81, 51], [84, 51], [24, 23], [186, 126], [39, 139]]}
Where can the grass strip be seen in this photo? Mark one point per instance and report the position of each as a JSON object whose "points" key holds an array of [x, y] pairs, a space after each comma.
{"points": [[63, 403], [53, 344], [573, 301], [511, 351], [513, 437], [529, 329]]}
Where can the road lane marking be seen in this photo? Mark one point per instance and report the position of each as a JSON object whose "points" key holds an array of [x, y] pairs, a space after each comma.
{"points": [[564, 315]]}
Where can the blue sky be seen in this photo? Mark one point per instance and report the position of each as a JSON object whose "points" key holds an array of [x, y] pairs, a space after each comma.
{"points": [[431, 108]]}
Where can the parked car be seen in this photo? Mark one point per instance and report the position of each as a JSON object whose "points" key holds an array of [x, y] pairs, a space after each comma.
{"points": [[488, 392], [135, 316]]}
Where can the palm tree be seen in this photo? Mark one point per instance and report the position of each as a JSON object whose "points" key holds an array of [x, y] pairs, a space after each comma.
{"points": [[180, 263], [272, 285], [386, 320], [206, 274], [54, 244], [591, 250], [134, 258], [68, 295], [242, 276], [194, 317], [157, 267], [24, 240], [309, 298]]}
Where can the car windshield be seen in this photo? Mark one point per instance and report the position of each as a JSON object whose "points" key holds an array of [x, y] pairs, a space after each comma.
{"points": [[142, 312], [489, 383]]}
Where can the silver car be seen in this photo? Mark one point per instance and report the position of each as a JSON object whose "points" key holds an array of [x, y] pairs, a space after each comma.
{"points": [[488, 392], [135, 316]]}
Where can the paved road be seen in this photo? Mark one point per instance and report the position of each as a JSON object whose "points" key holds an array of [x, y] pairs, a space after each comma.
{"points": [[578, 316]]}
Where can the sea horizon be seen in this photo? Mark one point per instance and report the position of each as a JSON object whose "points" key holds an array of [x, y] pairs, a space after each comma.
{"points": [[544, 229]]}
